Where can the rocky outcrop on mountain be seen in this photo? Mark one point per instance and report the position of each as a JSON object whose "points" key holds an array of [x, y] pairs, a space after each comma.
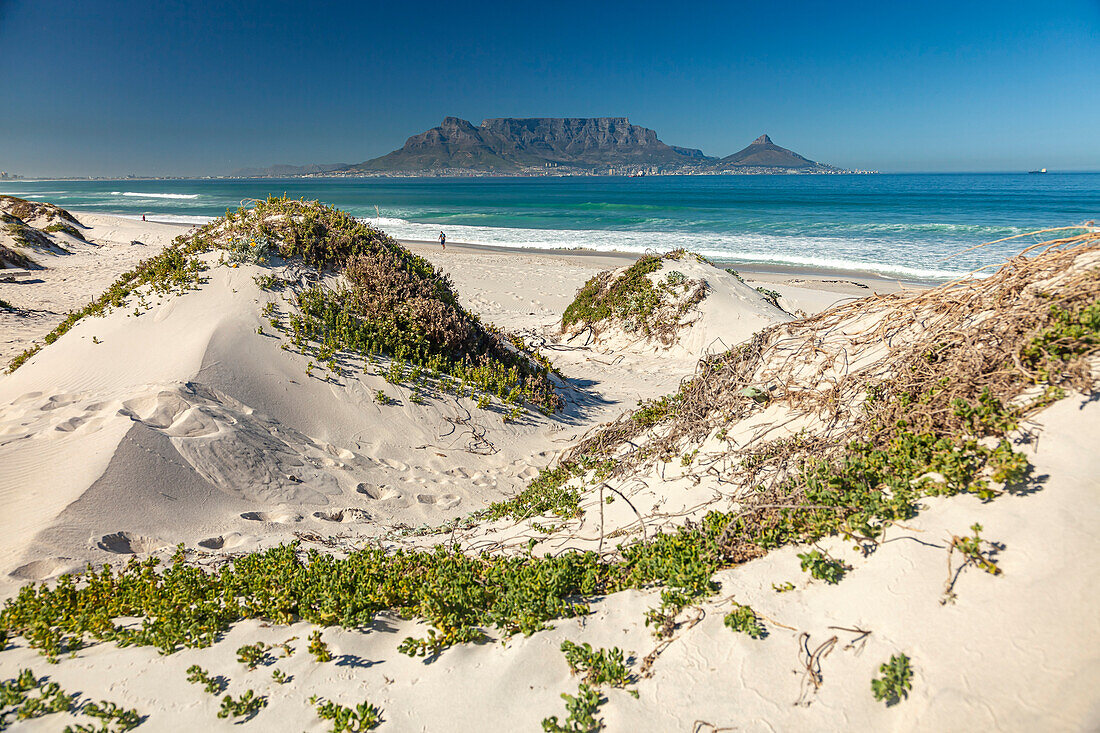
{"points": [[509, 144]]}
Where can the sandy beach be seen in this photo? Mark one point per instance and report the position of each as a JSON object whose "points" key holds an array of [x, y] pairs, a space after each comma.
{"points": [[189, 417], [118, 243]]}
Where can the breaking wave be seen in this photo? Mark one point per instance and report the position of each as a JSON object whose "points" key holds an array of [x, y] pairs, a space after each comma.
{"points": [[139, 194]]}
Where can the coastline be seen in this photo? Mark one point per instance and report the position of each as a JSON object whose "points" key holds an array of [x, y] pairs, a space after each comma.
{"points": [[73, 280], [923, 229], [762, 272], [759, 271]]}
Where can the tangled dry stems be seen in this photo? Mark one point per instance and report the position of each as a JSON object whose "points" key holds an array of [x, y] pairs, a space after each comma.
{"points": [[865, 368]]}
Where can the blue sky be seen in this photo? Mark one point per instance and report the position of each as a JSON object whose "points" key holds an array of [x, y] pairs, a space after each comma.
{"points": [[182, 88]]}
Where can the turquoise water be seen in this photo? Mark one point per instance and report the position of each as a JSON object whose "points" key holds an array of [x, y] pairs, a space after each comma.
{"points": [[894, 225]]}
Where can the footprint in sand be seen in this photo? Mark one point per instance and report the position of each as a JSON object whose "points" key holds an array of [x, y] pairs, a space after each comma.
{"points": [[28, 397], [59, 400], [69, 425], [370, 491], [379, 493], [48, 568], [128, 543], [443, 501], [448, 501], [343, 515], [226, 542], [277, 517]]}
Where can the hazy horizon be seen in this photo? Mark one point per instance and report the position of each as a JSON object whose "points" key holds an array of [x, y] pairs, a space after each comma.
{"points": [[131, 88]]}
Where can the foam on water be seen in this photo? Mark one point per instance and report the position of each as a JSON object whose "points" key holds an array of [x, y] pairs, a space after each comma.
{"points": [[138, 194], [756, 249]]}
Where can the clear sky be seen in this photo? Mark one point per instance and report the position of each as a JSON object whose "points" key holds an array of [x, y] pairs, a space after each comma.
{"points": [[166, 87]]}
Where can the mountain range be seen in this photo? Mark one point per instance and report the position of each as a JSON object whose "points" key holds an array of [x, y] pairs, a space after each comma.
{"points": [[553, 145]]}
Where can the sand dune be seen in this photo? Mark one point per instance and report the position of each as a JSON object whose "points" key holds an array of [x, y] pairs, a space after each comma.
{"points": [[186, 418]]}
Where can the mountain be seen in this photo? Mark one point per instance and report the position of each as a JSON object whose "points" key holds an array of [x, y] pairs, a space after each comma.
{"points": [[552, 146], [509, 144], [763, 153]]}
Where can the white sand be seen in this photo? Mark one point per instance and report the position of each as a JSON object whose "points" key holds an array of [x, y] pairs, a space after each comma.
{"points": [[183, 424]]}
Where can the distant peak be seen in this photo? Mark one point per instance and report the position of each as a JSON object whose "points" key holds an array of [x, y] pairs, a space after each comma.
{"points": [[762, 140]]}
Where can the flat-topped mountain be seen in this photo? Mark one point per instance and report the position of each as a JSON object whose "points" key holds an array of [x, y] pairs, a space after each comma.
{"points": [[552, 146], [509, 144]]}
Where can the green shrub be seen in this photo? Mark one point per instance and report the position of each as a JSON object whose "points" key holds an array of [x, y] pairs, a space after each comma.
{"points": [[822, 566], [632, 300], [253, 655], [895, 682], [196, 675], [743, 619], [318, 648], [582, 709], [771, 296], [597, 666], [256, 250], [246, 706], [363, 716], [69, 229]]}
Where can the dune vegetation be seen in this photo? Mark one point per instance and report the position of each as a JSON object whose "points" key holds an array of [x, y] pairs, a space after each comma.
{"points": [[897, 398], [931, 414], [635, 301], [351, 289]]}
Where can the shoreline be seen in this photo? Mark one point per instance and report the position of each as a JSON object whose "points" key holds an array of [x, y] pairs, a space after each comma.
{"points": [[765, 272], [762, 272]]}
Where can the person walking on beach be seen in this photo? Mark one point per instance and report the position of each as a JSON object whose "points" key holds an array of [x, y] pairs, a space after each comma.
{"points": [[443, 240]]}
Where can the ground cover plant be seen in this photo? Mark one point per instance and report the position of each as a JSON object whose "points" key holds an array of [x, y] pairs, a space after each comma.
{"points": [[581, 709], [633, 301], [17, 704], [932, 419], [246, 705], [69, 229], [318, 648], [253, 655], [744, 619], [363, 716], [597, 667], [10, 257], [822, 567], [976, 551], [895, 682], [196, 675]]}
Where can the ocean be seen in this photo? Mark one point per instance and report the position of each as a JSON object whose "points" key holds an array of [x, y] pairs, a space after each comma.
{"points": [[913, 226]]}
